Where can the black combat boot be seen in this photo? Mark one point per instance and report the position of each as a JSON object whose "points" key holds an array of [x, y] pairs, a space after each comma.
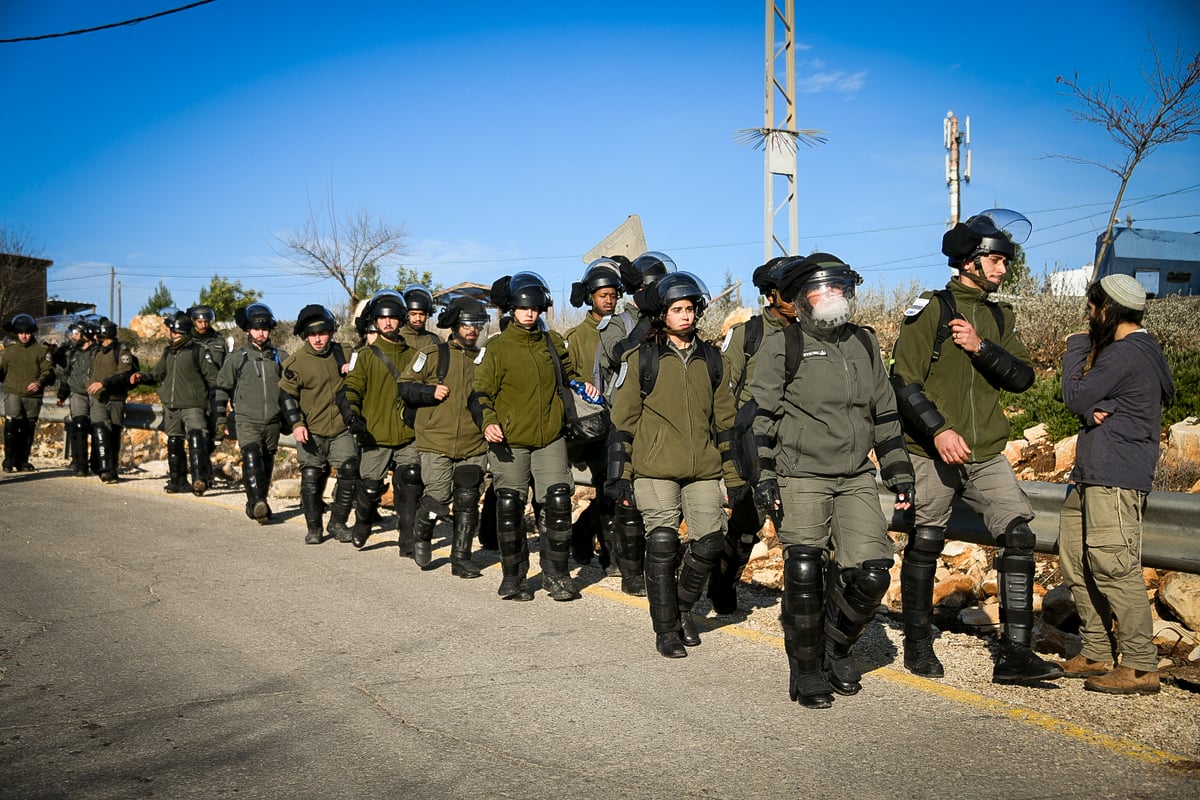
{"points": [[10, 444], [422, 546], [921, 554], [662, 547], [176, 466], [201, 464], [514, 547], [254, 477], [555, 534], [467, 480], [79, 431], [344, 490], [310, 502], [851, 603], [698, 562], [366, 501], [1014, 564], [407, 488], [630, 535], [801, 616]]}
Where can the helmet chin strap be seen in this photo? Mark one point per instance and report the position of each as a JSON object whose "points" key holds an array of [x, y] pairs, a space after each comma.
{"points": [[978, 276]]}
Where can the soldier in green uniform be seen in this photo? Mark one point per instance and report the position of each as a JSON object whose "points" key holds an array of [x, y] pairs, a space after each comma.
{"points": [[73, 364], [824, 403], [436, 388], [184, 376], [521, 414], [28, 368], [419, 302], [249, 381], [108, 388], [600, 289], [957, 350], [672, 428], [386, 441], [739, 352], [315, 407], [204, 334]]}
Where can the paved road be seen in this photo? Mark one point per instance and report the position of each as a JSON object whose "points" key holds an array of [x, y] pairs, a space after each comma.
{"points": [[159, 646]]}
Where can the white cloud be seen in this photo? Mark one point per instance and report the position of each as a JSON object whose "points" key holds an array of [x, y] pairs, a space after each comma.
{"points": [[841, 82]]}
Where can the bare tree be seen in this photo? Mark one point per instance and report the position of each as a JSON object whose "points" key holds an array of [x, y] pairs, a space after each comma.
{"points": [[1169, 112], [16, 249], [347, 249]]}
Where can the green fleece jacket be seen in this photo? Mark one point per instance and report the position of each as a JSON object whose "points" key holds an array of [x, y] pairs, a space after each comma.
{"points": [[677, 431], [445, 427], [373, 392], [517, 389], [966, 399]]}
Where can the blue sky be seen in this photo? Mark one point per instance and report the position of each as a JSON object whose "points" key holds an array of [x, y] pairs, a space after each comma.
{"points": [[515, 136]]}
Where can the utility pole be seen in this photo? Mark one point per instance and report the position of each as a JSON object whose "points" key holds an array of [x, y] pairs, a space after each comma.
{"points": [[780, 149], [956, 141], [112, 280]]}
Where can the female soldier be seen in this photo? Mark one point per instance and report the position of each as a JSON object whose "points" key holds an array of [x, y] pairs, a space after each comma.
{"points": [[516, 404], [824, 402], [672, 422]]}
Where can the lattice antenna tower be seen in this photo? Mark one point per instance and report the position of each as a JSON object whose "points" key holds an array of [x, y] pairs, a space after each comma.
{"points": [[958, 160], [779, 135]]}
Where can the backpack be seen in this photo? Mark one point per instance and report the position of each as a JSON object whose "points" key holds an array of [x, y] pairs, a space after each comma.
{"points": [[949, 312], [649, 366]]}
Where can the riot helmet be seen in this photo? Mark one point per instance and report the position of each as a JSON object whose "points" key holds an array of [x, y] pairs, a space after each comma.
{"points": [[387, 303], [821, 287], [603, 273], [179, 322], [418, 298], [657, 298], [255, 315], [465, 312], [106, 328], [997, 230], [529, 290], [202, 312], [23, 323], [652, 266], [315, 319]]}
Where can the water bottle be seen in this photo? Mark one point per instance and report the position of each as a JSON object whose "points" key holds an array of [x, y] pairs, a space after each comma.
{"points": [[582, 392]]}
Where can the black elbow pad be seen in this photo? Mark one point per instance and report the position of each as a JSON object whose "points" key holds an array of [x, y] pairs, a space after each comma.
{"points": [[999, 367], [918, 411], [290, 406]]}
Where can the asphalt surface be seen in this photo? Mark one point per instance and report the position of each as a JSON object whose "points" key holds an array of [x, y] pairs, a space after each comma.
{"points": [[165, 646]]}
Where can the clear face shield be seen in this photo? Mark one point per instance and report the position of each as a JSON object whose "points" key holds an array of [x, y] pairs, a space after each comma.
{"points": [[827, 300], [473, 323]]}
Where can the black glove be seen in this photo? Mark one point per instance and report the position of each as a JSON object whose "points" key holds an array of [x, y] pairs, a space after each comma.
{"points": [[620, 491], [906, 493], [768, 501], [356, 425]]}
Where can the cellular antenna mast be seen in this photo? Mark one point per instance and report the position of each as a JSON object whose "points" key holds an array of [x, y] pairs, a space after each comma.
{"points": [[779, 135], [957, 140]]}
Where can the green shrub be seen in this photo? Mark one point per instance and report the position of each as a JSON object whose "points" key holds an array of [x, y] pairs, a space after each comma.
{"points": [[1185, 370], [1042, 403]]}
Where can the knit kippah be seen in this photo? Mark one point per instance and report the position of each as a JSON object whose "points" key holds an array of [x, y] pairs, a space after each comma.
{"points": [[1125, 290]]}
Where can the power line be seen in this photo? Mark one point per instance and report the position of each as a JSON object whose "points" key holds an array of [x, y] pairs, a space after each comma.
{"points": [[106, 27]]}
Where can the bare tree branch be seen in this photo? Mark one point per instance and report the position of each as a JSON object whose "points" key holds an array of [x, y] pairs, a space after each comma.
{"points": [[342, 248], [1169, 112]]}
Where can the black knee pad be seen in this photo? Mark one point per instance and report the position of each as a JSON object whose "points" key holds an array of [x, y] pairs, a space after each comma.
{"points": [[409, 474], [1018, 539], [372, 490], [252, 451], [662, 544], [872, 579], [804, 568], [81, 424], [349, 470], [467, 476], [510, 509], [558, 506], [925, 545], [707, 548], [310, 480]]}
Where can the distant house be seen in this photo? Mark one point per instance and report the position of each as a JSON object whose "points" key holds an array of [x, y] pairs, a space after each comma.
{"points": [[1165, 262], [22, 285]]}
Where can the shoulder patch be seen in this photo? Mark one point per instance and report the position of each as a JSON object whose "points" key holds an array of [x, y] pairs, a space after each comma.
{"points": [[419, 362], [727, 340], [353, 360], [479, 358], [603, 323], [621, 375], [917, 306], [291, 376]]}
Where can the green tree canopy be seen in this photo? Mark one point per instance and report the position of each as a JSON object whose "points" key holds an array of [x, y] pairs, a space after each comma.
{"points": [[159, 300], [226, 296]]}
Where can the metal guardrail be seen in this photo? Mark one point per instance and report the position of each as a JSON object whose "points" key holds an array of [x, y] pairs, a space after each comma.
{"points": [[1170, 529]]}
